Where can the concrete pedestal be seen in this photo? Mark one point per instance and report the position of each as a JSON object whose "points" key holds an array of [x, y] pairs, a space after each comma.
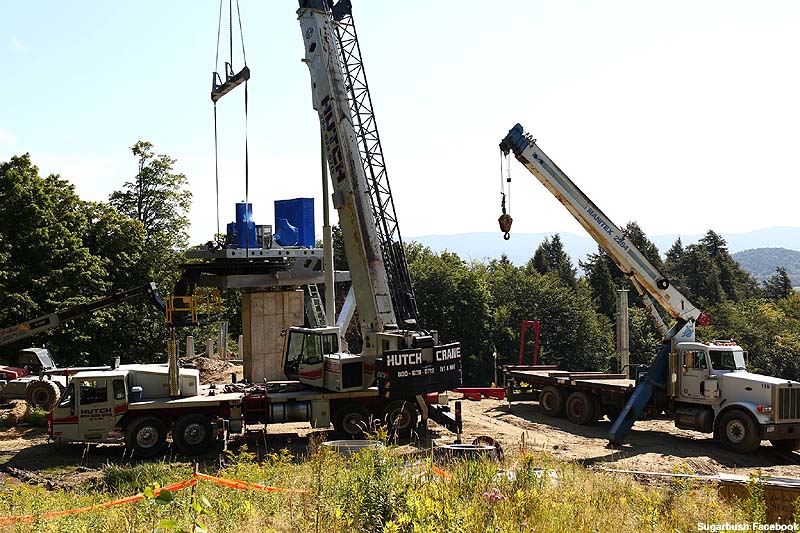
{"points": [[264, 316]]}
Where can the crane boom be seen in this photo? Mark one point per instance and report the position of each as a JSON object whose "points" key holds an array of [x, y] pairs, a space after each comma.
{"points": [[351, 195], [629, 259], [52, 320]]}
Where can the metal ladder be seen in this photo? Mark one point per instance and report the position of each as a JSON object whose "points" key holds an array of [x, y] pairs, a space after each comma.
{"points": [[315, 310]]}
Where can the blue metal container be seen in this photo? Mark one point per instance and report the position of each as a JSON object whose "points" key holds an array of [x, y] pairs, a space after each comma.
{"points": [[294, 222], [245, 227]]}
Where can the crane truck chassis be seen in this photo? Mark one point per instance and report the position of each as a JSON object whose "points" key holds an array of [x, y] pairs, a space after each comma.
{"points": [[704, 386], [131, 404]]}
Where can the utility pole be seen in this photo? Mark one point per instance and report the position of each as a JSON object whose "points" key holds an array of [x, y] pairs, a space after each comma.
{"points": [[623, 347]]}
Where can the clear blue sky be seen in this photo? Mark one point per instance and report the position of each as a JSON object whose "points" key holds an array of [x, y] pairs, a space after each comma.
{"points": [[682, 116]]}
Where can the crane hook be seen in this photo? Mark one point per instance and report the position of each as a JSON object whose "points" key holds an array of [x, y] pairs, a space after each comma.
{"points": [[505, 219]]}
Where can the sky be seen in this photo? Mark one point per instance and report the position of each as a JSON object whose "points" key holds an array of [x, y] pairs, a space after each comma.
{"points": [[683, 116]]}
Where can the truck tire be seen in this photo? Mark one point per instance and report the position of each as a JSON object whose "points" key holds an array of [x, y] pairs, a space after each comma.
{"points": [[786, 445], [43, 394], [401, 417], [146, 436], [192, 434], [580, 408], [551, 400], [738, 431], [351, 420]]}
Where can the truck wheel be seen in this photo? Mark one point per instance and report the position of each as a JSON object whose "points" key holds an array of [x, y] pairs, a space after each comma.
{"points": [[580, 408], [401, 417], [739, 432], [192, 434], [551, 399], [351, 420], [43, 394], [146, 436], [786, 445]]}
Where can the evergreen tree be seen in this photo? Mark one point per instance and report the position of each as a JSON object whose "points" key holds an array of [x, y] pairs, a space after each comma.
{"points": [[551, 257], [779, 285], [601, 282]]}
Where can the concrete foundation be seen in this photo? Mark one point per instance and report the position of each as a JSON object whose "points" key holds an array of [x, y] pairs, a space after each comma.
{"points": [[264, 316]]}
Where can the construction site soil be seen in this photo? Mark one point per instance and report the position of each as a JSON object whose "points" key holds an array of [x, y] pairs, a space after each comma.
{"points": [[653, 445]]}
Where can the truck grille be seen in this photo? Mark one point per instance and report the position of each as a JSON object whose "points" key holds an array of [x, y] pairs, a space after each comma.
{"points": [[787, 404]]}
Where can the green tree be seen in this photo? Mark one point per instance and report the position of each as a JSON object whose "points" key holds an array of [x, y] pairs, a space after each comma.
{"points": [[598, 268], [708, 274], [778, 285], [551, 257], [573, 336], [453, 299], [48, 261], [159, 198]]}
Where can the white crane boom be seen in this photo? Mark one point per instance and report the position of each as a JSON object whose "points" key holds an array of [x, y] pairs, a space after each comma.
{"points": [[351, 193], [629, 259]]}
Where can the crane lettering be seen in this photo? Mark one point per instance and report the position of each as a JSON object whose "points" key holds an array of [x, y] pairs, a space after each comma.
{"points": [[447, 353], [335, 159], [403, 359], [602, 223]]}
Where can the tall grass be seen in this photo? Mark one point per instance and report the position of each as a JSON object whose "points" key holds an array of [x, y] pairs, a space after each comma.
{"points": [[375, 490]]}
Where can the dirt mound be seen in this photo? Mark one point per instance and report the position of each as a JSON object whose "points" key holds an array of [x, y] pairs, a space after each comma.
{"points": [[213, 370], [13, 413]]}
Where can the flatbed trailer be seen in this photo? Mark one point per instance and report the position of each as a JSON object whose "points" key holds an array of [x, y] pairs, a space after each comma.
{"points": [[583, 397]]}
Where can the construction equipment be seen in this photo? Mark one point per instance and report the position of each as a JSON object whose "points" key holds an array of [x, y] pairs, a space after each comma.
{"points": [[36, 378], [386, 382], [53, 320], [704, 386], [408, 361]]}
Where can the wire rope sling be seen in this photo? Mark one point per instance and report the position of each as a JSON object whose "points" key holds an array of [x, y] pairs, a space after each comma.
{"points": [[220, 88]]}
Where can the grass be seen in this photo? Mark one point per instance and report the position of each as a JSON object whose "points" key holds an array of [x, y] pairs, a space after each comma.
{"points": [[377, 491]]}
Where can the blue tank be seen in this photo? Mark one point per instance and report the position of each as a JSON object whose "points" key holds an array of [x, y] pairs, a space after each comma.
{"points": [[294, 222], [245, 227]]}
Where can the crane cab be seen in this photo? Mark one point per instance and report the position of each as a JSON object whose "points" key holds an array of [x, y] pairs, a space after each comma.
{"points": [[313, 357]]}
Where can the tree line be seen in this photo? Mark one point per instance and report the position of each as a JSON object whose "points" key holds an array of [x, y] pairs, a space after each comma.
{"points": [[57, 250]]}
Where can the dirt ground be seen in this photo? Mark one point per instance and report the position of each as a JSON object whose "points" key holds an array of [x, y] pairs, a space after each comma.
{"points": [[654, 445]]}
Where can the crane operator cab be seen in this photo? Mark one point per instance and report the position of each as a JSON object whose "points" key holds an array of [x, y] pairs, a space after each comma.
{"points": [[312, 353], [313, 356]]}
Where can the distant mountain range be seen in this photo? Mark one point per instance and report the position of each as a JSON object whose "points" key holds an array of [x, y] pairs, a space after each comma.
{"points": [[761, 246], [762, 262]]}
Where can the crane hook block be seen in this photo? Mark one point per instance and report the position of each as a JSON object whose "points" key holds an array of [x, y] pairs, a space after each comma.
{"points": [[219, 89], [505, 221]]}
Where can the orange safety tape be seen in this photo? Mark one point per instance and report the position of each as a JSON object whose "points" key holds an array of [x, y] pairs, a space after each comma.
{"points": [[27, 518], [232, 483], [245, 485], [439, 472]]}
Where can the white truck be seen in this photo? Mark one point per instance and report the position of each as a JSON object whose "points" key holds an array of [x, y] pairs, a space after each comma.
{"points": [[704, 386], [34, 375], [399, 363]]}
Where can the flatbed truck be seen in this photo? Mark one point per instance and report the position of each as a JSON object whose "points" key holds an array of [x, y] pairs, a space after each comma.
{"points": [[704, 386]]}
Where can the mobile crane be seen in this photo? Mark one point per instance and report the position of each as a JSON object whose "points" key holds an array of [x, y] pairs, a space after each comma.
{"points": [[387, 381], [36, 377], [704, 386]]}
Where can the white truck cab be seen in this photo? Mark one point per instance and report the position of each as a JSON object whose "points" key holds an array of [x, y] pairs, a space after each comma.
{"points": [[132, 402], [743, 408]]}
